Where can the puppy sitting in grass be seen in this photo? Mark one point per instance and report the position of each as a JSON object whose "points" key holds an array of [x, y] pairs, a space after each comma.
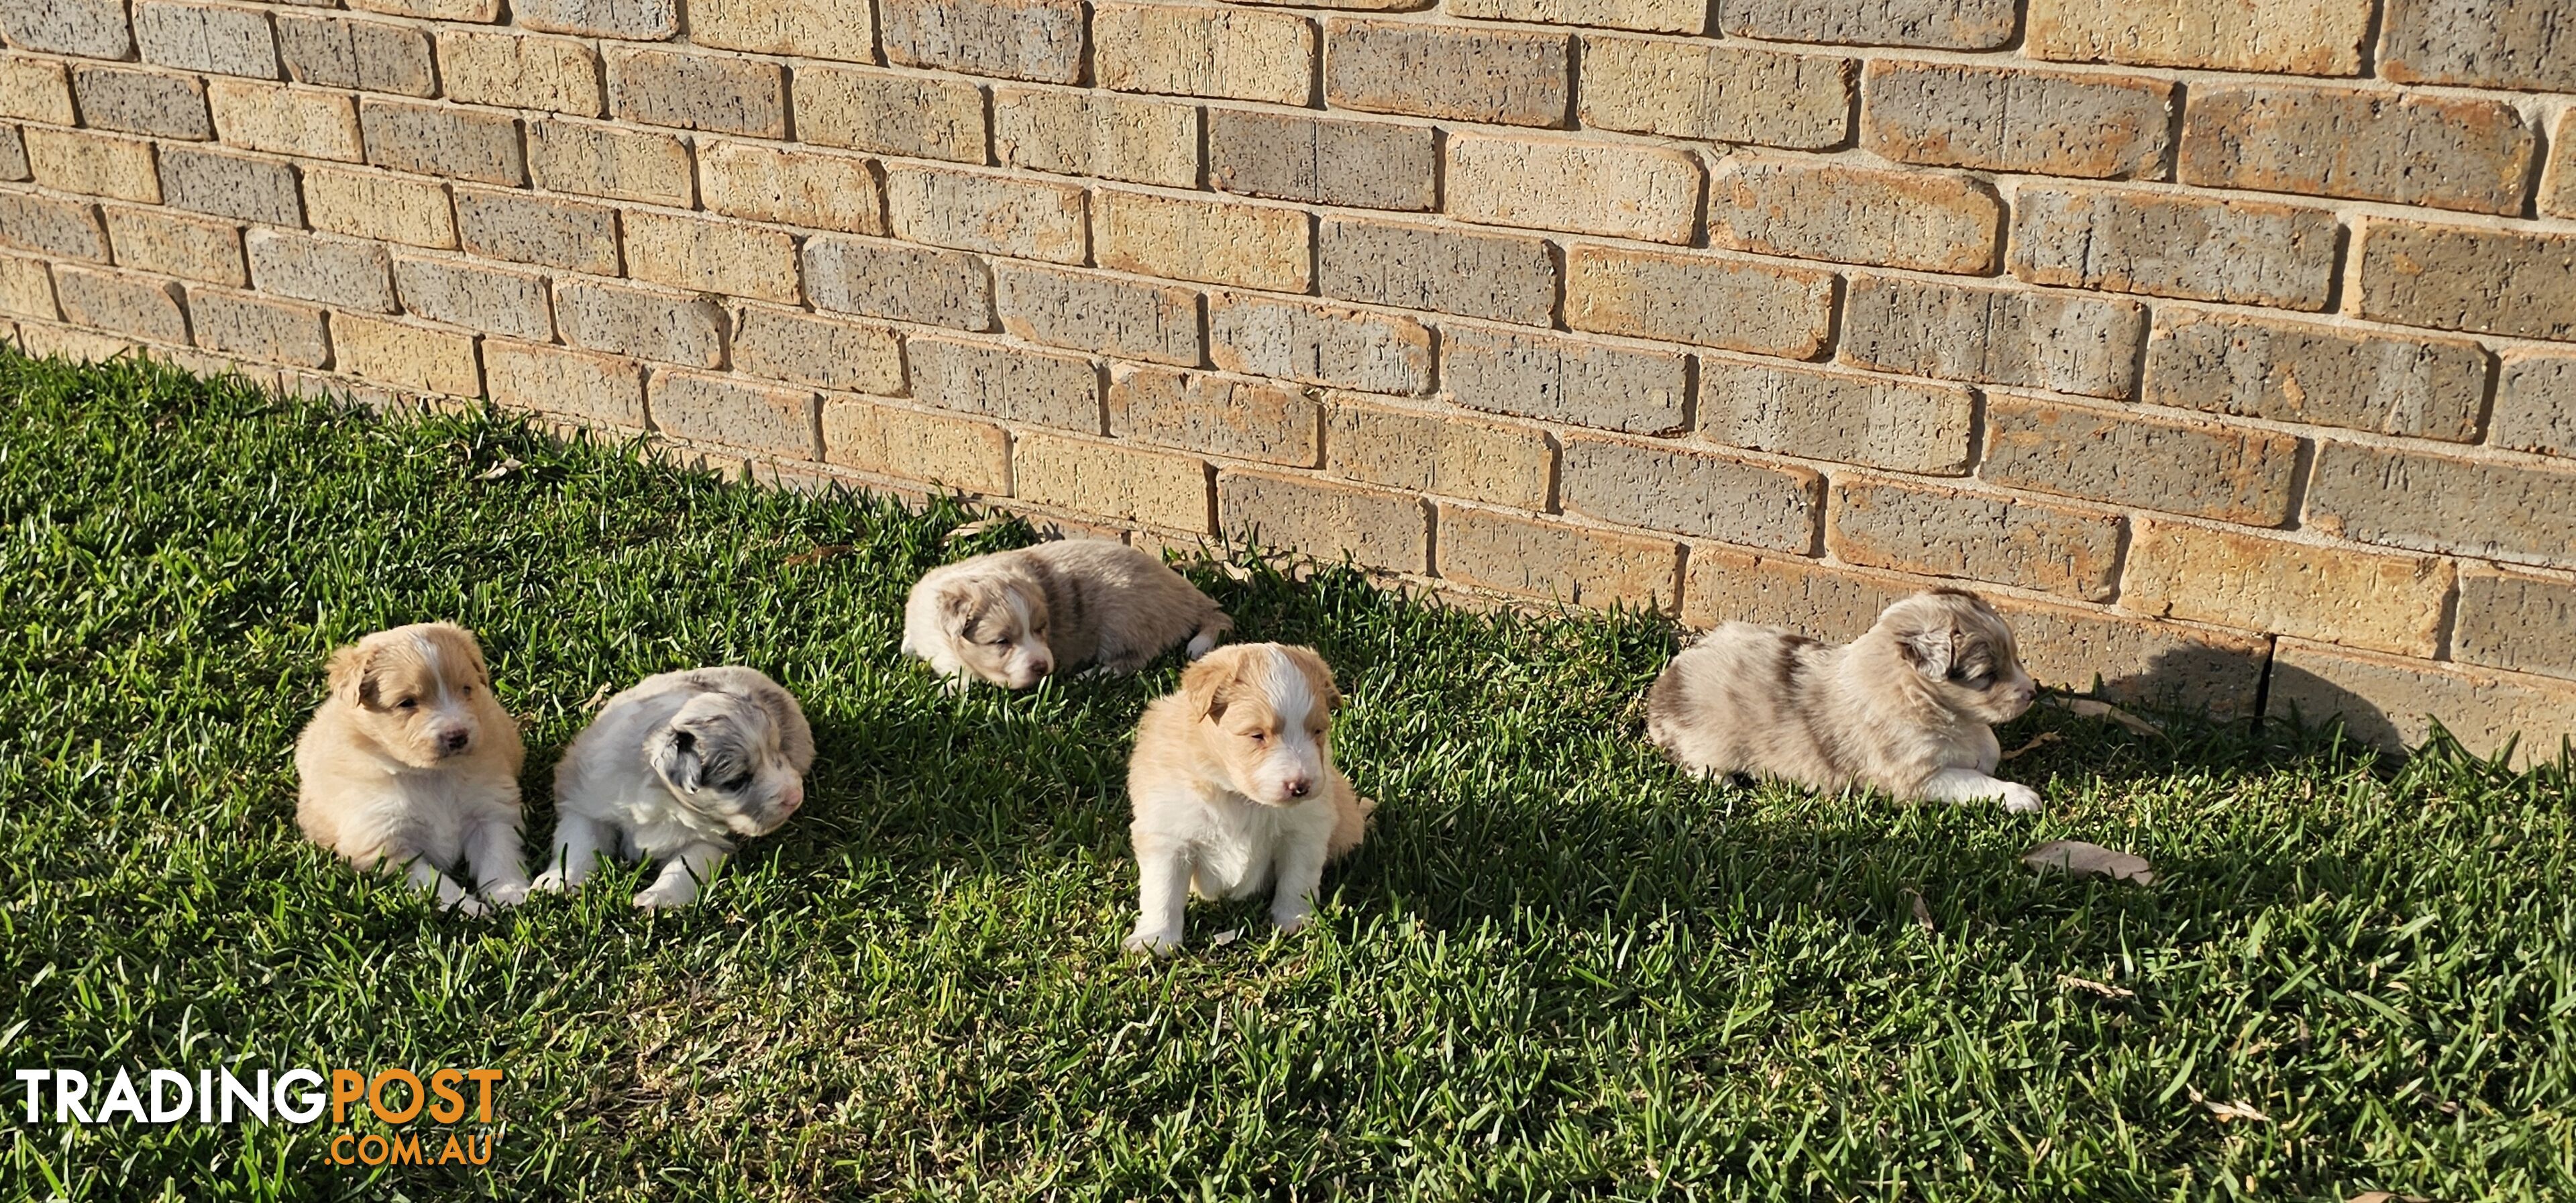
{"points": [[1012, 617], [1907, 707], [1234, 789], [412, 764], [672, 771]]}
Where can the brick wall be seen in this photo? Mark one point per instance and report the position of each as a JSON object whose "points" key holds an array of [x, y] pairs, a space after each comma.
{"points": [[2231, 344]]}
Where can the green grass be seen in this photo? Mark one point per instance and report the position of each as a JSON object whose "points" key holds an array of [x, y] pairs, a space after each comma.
{"points": [[1559, 967]]}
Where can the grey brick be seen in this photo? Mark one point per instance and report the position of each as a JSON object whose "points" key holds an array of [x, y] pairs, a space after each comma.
{"points": [[899, 281], [1362, 164], [143, 102], [1496, 276], [231, 185], [1662, 487], [343, 273], [2085, 345], [1565, 380], [226, 41]]}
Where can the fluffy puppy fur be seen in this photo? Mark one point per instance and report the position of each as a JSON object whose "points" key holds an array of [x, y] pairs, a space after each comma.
{"points": [[1012, 617], [672, 770], [412, 764], [1234, 789], [1907, 708]]}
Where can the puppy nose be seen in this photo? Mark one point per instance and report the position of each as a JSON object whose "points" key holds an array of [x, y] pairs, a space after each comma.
{"points": [[792, 797], [1042, 667], [452, 741], [1297, 787]]}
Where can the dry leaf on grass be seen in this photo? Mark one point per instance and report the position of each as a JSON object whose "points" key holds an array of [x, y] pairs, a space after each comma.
{"points": [[970, 530], [2081, 859], [598, 698], [2088, 708], [2037, 742], [499, 470], [2382, 1196], [2105, 989], [1922, 913], [816, 556], [1223, 938], [2239, 1109]]}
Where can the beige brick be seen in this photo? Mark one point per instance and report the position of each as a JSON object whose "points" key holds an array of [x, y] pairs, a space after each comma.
{"points": [[1822, 413], [893, 280], [2512, 620], [1130, 319], [444, 140], [957, 453], [54, 228], [36, 90], [1361, 163], [366, 204], [89, 28], [1010, 39], [1203, 50], [338, 272], [719, 409], [1934, 531], [2535, 405], [636, 20], [27, 289], [2524, 45], [1427, 450], [480, 11], [137, 306], [998, 214], [922, 117], [593, 388], [1571, 564], [172, 244], [2290, 37], [2493, 509], [2387, 701], [521, 71], [1661, 486], [711, 255], [1126, 484], [141, 102], [1824, 210], [1325, 520], [1694, 297], [229, 185], [709, 92], [1097, 134], [1215, 242], [487, 299], [794, 187], [800, 348], [2558, 187], [1505, 278], [407, 356], [94, 164], [1223, 415], [1715, 93], [285, 120], [832, 29], [642, 323], [2444, 152], [238, 323], [1510, 77], [206, 37], [2302, 372], [538, 229], [1318, 344], [72, 346], [2222, 472], [2458, 278], [1947, 24], [1653, 16], [1015, 384], [1561, 379], [2044, 122], [1621, 190], [603, 160], [2085, 345], [371, 56]]}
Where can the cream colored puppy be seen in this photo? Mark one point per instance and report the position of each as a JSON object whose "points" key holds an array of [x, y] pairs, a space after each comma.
{"points": [[411, 763], [1012, 617], [1234, 789], [672, 771], [1907, 707]]}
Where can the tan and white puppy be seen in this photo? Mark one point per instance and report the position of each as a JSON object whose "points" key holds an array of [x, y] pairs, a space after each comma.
{"points": [[672, 771], [412, 764], [1234, 789], [1012, 617], [1908, 707]]}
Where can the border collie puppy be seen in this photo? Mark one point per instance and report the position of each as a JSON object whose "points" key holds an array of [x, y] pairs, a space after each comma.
{"points": [[1012, 617]]}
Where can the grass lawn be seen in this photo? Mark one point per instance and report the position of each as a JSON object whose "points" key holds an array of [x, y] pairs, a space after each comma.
{"points": [[1558, 968]]}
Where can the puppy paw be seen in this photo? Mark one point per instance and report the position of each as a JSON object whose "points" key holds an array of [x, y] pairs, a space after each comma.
{"points": [[1291, 924], [657, 898], [2020, 799], [1200, 647], [470, 906], [549, 882], [1153, 943], [508, 893]]}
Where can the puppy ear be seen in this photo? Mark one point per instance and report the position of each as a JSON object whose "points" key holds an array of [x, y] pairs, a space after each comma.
{"points": [[1319, 676], [349, 676], [1204, 684], [676, 762], [1931, 651]]}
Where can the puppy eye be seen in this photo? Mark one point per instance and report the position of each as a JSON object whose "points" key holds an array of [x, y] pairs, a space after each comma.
{"points": [[407, 704], [1260, 736], [738, 784], [1004, 641]]}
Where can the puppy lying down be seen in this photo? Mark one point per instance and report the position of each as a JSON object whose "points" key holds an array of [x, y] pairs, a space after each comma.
{"points": [[675, 769], [410, 763], [1907, 707], [1012, 617], [1234, 789]]}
